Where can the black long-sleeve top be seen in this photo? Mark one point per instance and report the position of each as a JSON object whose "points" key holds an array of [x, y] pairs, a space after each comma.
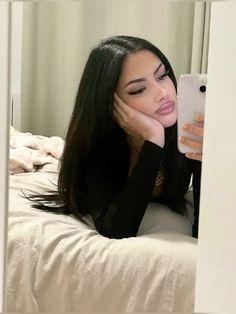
{"points": [[117, 206]]}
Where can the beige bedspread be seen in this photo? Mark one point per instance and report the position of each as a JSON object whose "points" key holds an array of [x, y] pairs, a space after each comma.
{"points": [[58, 264]]}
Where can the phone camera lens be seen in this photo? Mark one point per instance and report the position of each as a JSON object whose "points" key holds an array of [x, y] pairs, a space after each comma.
{"points": [[203, 88]]}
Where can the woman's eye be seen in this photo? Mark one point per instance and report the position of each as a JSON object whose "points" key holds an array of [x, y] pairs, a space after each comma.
{"points": [[163, 75], [136, 92]]}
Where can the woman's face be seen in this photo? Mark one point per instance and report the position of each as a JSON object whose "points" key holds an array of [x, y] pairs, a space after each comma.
{"points": [[144, 84]]}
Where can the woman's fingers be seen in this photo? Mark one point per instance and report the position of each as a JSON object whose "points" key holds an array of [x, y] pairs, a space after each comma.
{"points": [[119, 101], [198, 131], [199, 118], [194, 156], [123, 107], [119, 105], [194, 129], [123, 114], [128, 113], [191, 143], [117, 113], [116, 97]]}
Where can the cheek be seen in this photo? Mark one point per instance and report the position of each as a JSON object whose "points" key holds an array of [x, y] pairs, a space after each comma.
{"points": [[145, 104], [139, 103], [174, 94], [172, 90], [134, 103]]}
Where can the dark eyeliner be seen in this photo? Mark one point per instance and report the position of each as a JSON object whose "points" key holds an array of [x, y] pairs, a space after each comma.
{"points": [[139, 91], [166, 73]]}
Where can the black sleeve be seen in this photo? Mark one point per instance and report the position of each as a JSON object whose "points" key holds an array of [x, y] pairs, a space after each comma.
{"points": [[196, 169], [117, 211]]}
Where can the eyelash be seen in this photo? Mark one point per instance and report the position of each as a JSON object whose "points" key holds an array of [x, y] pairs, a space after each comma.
{"points": [[164, 75], [139, 91]]}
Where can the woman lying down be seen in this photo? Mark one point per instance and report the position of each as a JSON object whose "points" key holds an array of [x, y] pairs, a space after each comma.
{"points": [[121, 145]]}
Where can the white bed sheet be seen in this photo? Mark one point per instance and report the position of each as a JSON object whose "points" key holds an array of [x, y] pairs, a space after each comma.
{"points": [[58, 264]]}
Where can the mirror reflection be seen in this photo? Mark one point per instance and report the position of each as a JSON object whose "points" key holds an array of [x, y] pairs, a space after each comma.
{"points": [[125, 191]]}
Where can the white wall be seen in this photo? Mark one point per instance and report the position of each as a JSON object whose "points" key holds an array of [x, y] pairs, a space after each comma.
{"points": [[4, 101], [216, 271], [16, 11]]}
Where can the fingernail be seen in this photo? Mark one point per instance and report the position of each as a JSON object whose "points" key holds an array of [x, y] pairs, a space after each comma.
{"points": [[198, 117]]}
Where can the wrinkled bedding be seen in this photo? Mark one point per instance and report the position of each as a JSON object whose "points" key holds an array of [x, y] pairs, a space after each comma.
{"points": [[57, 263]]}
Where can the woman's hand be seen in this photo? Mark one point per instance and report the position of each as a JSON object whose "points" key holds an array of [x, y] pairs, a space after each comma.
{"points": [[196, 130], [137, 124]]}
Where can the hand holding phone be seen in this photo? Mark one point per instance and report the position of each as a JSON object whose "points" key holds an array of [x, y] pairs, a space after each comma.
{"points": [[191, 107]]}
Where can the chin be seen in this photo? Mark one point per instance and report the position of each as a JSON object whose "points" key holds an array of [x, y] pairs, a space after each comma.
{"points": [[168, 121], [168, 125]]}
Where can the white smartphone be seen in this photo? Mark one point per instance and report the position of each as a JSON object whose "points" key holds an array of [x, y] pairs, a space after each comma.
{"points": [[191, 101]]}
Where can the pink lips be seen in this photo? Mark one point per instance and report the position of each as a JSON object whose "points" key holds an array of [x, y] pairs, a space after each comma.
{"points": [[166, 108]]}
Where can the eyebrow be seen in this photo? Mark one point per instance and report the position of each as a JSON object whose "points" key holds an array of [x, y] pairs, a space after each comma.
{"points": [[143, 79]]}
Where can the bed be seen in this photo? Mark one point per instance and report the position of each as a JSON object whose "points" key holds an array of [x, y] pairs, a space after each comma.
{"points": [[59, 264]]}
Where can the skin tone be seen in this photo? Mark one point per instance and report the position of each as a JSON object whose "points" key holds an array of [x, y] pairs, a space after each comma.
{"points": [[145, 103], [196, 130]]}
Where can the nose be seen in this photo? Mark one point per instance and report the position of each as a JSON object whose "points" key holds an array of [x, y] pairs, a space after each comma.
{"points": [[160, 92]]}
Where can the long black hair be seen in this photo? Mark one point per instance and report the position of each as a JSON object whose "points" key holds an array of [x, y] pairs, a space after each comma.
{"points": [[92, 124]]}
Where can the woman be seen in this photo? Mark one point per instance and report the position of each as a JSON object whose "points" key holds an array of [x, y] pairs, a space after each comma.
{"points": [[121, 145]]}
